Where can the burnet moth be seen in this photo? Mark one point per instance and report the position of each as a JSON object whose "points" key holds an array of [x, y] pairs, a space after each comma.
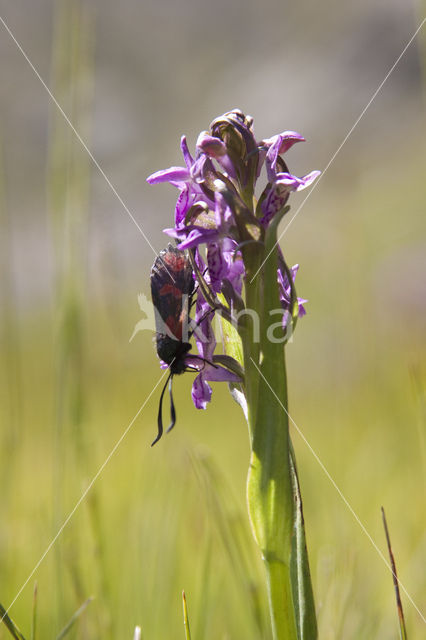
{"points": [[172, 289]]}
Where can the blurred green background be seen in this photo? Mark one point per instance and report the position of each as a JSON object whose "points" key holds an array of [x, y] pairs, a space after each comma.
{"points": [[132, 77]]}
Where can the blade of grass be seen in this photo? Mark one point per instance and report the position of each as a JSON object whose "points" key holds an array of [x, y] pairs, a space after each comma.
{"points": [[185, 618], [34, 616], [402, 629], [10, 625], [73, 619]]}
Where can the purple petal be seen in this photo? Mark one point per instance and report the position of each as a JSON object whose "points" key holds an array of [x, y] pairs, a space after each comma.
{"points": [[235, 275], [214, 148], [184, 203], [285, 291], [196, 236], [282, 185], [197, 169], [172, 174], [218, 266], [223, 213], [219, 374], [293, 183], [279, 144], [201, 392], [286, 140], [302, 310], [275, 200], [199, 261], [211, 146], [271, 158], [271, 148], [204, 334], [288, 180], [195, 362], [294, 269], [185, 152], [227, 164]]}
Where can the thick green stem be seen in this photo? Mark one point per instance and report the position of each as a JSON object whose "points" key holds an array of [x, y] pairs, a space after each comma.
{"points": [[270, 499], [269, 485], [280, 600], [273, 492]]}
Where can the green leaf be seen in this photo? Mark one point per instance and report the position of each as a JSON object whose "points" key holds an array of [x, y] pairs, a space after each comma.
{"points": [[303, 596], [231, 339], [233, 348]]}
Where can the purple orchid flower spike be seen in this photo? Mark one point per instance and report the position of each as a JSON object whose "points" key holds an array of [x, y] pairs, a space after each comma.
{"points": [[214, 224]]}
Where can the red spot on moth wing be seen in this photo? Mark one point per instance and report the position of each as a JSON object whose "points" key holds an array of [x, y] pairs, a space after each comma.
{"points": [[175, 262], [175, 327], [168, 289]]}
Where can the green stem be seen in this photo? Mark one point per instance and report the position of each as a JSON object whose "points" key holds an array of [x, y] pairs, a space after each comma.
{"points": [[280, 600], [270, 497], [269, 484], [273, 492]]}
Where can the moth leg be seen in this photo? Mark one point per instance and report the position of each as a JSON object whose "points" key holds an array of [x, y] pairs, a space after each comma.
{"points": [[172, 407], [160, 413]]}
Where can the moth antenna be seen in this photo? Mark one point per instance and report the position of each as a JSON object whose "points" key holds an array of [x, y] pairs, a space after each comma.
{"points": [[160, 412], [172, 407]]}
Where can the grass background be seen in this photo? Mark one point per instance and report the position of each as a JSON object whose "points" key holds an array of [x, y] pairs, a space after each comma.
{"points": [[132, 78]]}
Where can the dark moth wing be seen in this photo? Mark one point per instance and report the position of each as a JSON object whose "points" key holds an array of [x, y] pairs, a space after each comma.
{"points": [[172, 286]]}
